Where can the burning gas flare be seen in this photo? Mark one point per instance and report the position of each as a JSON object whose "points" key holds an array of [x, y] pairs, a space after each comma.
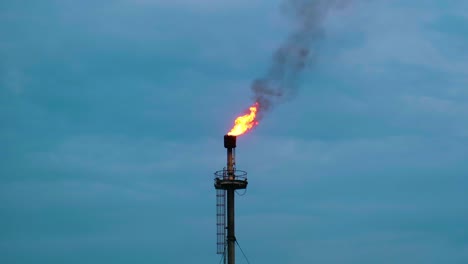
{"points": [[246, 122]]}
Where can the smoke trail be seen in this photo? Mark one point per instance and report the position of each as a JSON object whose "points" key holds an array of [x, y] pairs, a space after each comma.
{"points": [[280, 83]]}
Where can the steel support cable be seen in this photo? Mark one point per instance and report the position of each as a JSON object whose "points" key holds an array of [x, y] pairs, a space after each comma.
{"points": [[242, 252], [245, 191], [222, 257]]}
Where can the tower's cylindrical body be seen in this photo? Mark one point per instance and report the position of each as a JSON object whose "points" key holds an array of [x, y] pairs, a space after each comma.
{"points": [[230, 164], [231, 237], [230, 144], [229, 180]]}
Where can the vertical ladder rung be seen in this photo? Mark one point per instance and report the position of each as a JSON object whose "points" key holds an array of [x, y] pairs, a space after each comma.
{"points": [[221, 221]]}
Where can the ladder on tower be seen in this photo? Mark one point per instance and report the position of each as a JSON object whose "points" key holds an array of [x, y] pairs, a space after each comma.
{"points": [[221, 221]]}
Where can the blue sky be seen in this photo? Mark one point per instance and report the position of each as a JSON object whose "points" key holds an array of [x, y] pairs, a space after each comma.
{"points": [[113, 113]]}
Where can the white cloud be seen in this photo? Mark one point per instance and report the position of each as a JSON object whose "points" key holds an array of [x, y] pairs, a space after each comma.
{"points": [[437, 105], [393, 33], [206, 5], [114, 156], [14, 80]]}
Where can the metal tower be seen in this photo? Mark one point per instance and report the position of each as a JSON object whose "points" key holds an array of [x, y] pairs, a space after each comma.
{"points": [[227, 181]]}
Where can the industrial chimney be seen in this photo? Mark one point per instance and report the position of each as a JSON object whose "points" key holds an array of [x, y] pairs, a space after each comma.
{"points": [[227, 181]]}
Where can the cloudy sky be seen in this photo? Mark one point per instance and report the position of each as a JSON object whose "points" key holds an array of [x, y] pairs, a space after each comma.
{"points": [[113, 112]]}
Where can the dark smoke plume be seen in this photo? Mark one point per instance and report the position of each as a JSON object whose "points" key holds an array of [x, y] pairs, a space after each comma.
{"points": [[280, 83]]}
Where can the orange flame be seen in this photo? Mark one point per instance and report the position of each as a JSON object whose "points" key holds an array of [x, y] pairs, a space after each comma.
{"points": [[246, 122]]}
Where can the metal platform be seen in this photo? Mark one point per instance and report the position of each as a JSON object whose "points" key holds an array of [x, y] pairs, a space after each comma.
{"points": [[233, 180]]}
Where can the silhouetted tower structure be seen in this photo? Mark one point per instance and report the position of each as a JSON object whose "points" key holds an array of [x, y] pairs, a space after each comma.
{"points": [[227, 181]]}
